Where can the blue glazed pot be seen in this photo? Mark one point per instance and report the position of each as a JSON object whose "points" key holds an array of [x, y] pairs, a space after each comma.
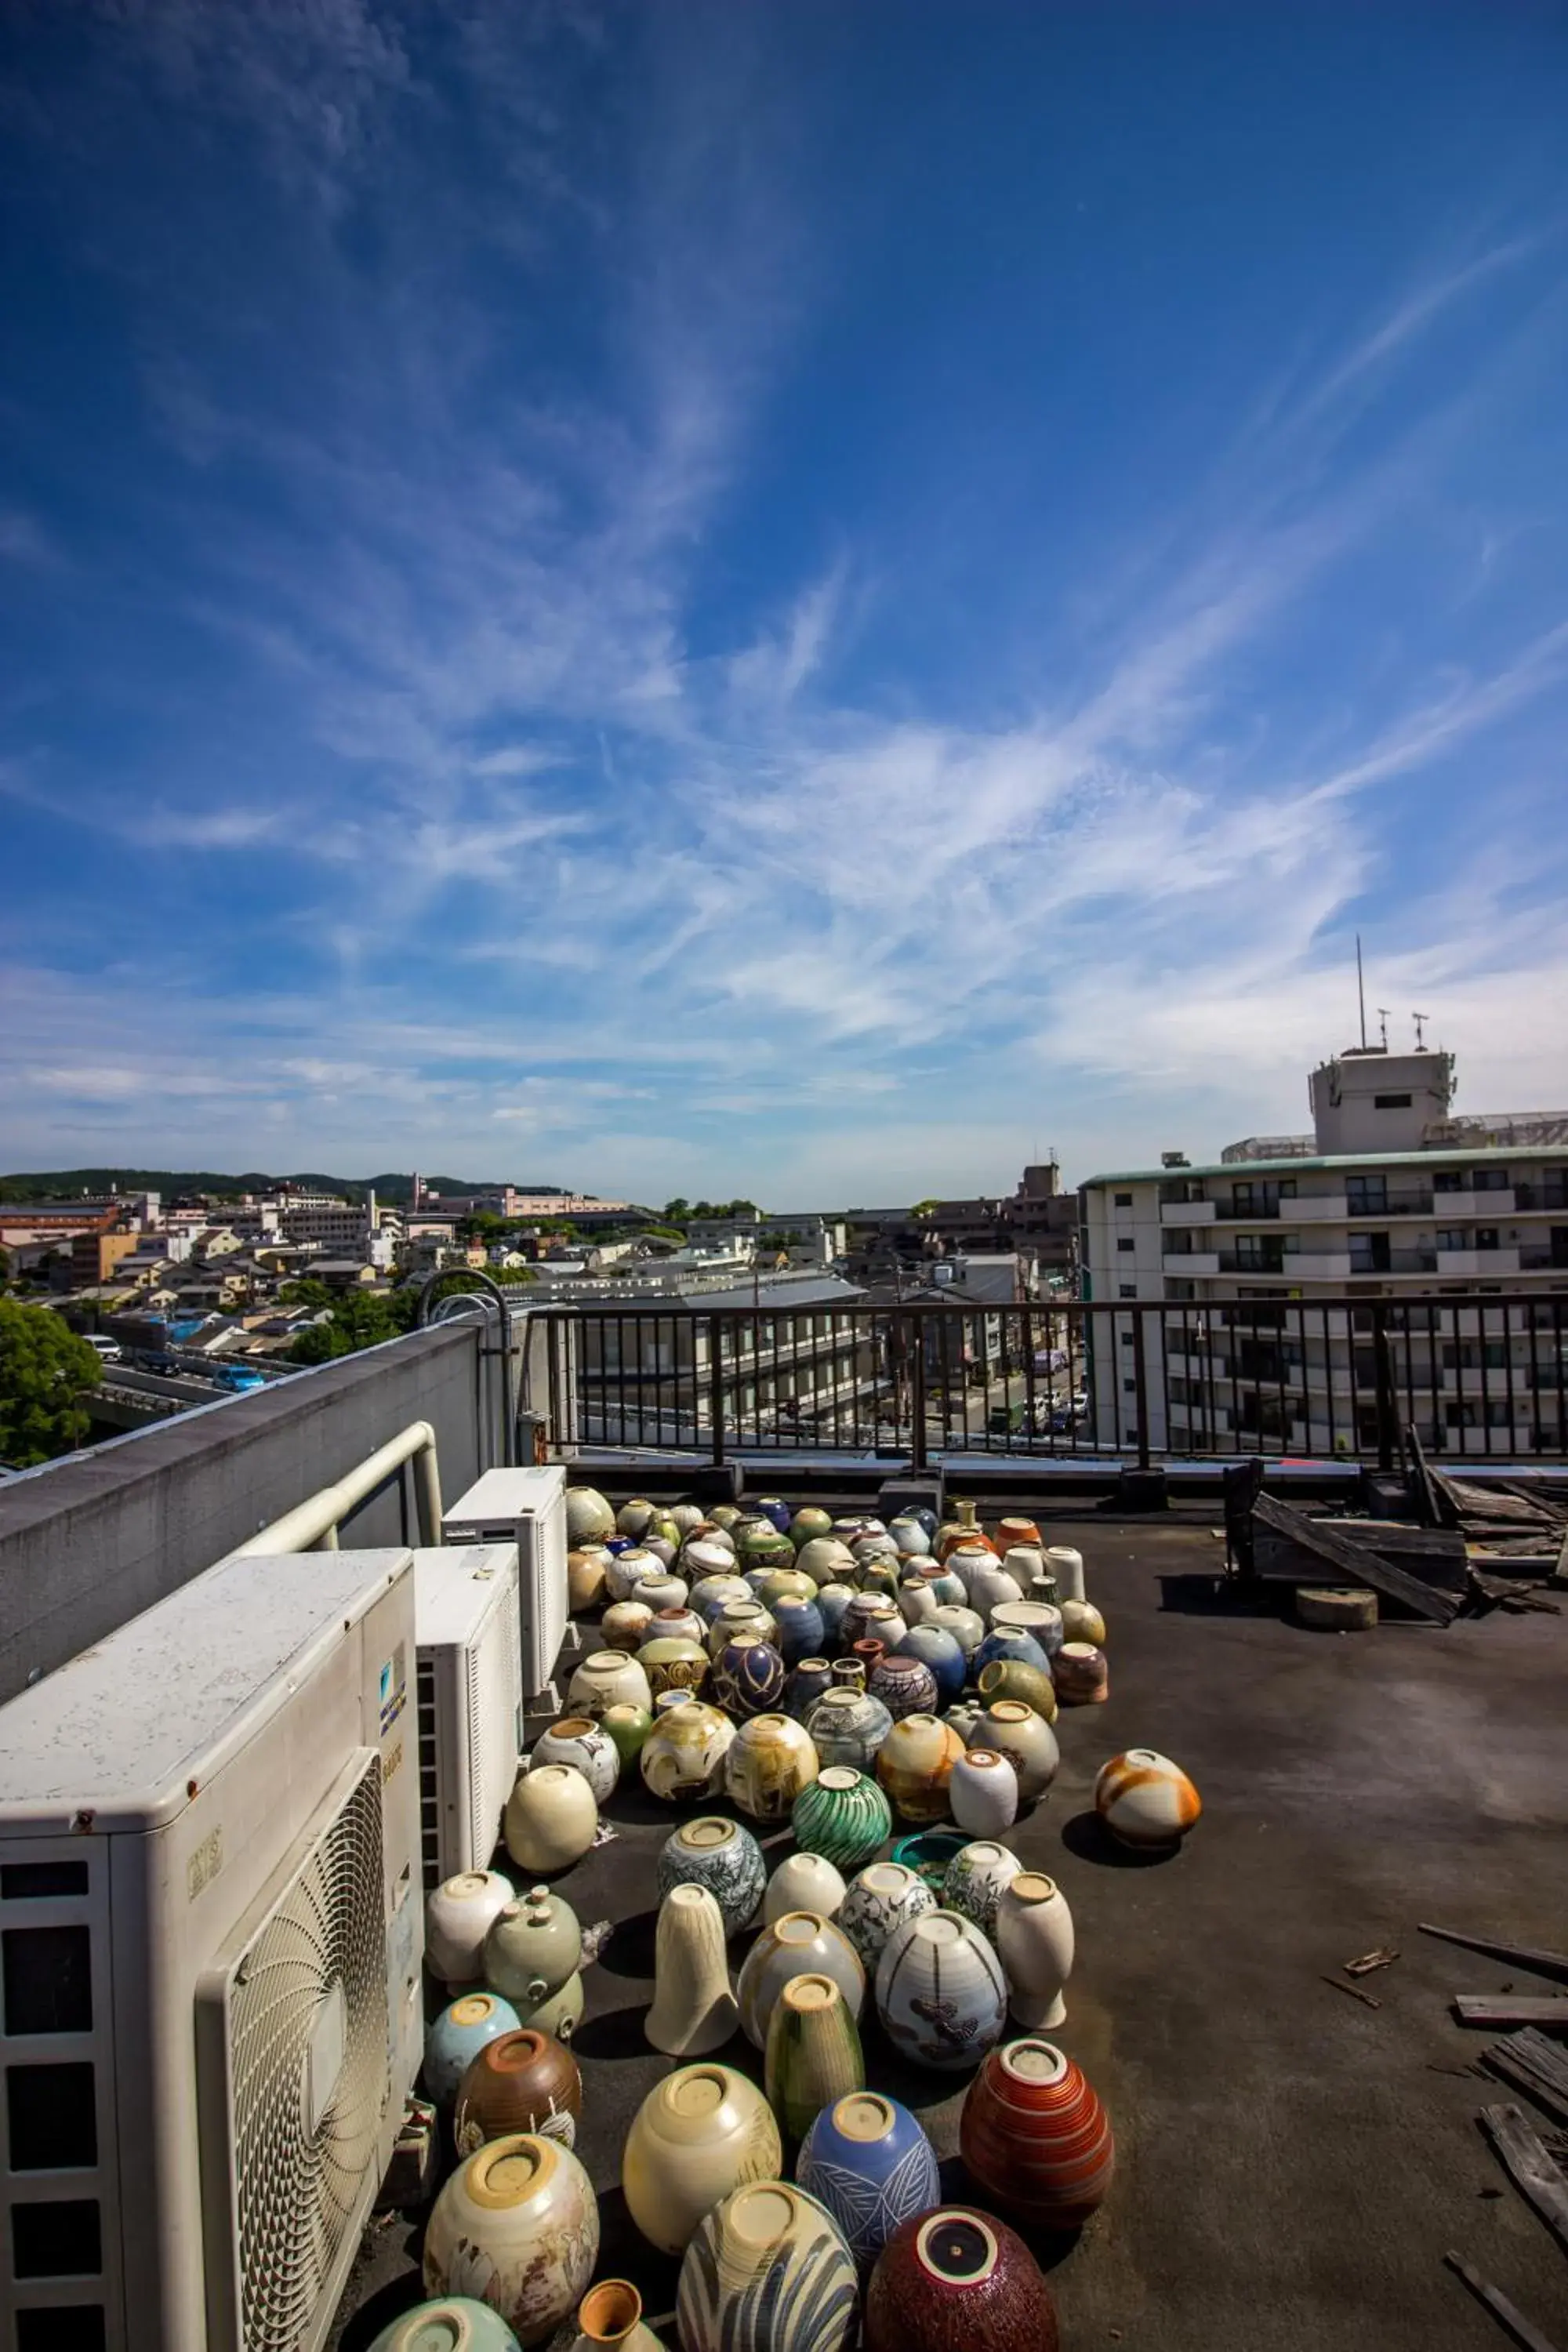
{"points": [[1009, 1642], [867, 2160], [459, 2034], [800, 1629], [942, 1653], [748, 1677], [804, 1684], [453, 2319], [833, 1600], [769, 1507]]}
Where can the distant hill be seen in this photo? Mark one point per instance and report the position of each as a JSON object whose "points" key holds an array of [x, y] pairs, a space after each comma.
{"points": [[68, 1183]]}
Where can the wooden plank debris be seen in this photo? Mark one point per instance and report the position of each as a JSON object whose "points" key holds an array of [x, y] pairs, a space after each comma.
{"points": [[1508, 2314], [1354, 1563], [1547, 2010], [1540, 2182], [1367, 2000], [1433, 1508], [1526, 2061], [1532, 1957], [1385, 1956]]}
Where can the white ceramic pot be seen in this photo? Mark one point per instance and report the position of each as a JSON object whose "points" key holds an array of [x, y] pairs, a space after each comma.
{"points": [[1025, 1739], [625, 1624], [693, 2007], [697, 2135], [941, 1992], [517, 2227], [706, 1556], [1038, 1619], [880, 1898], [1066, 1566], [918, 1603], [803, 1882], [966, 1559], [607, 1679], [982, 1793], [589, 1519], [988, 1585], [1145, 1800], [457, 1916], [801, 1943], [741, 1621], [627, 1570], [769, 1760], [1035, 1940], [910, 1537], [550, 1818], [682, 1759], [686, 1515], [974, 1880], [1023, 1562], [578, 1739], [966, 1626], [660, 1590]]}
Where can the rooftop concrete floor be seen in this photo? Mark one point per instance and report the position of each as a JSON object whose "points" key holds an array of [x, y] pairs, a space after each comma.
{"points": [[1292, 2165]]}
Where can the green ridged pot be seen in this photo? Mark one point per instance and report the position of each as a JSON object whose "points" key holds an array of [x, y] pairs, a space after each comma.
{"points": [[843, 1816], [813, 2053]]}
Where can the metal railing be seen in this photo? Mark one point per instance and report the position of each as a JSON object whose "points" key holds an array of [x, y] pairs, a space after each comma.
{"points": [[1473, 1372]]}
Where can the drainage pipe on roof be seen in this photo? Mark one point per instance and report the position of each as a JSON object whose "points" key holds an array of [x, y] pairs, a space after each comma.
{"points": [[314, 1522]]}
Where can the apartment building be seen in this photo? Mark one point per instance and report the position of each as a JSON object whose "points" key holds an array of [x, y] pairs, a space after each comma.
{"points": [[1391, 1199]]}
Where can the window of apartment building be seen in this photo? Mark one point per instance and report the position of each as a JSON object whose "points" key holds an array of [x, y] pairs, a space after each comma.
{"points": [[1122, 1200], [1366, 1196], [1449, 1180], [1391, 1102], [1127, 1290], [1130, 1386], [1261, 1198], [1489, 1179], [1486, 1237], [1126, 1339], [1124, 1243], [1130, 1437]]}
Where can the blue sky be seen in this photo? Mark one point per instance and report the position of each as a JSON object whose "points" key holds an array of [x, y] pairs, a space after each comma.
{"points": [[798, 599]]}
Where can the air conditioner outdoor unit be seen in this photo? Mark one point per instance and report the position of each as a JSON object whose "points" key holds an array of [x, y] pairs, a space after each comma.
{"points": [[527, 1508], [211, 1929], [470, 1701]]}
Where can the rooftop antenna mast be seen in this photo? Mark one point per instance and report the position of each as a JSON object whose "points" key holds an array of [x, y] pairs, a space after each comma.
{"points": [[1361, 991], [1420, 1020], [1383, 1025]]}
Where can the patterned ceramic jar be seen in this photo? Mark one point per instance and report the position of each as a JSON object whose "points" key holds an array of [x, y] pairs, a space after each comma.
{"points": [[803, 1943], [915, 1763], [624, 1624], [984, 1792], [578, 1740], [698, 2135], [674, 1665], [682, 1759], [843, 1815], [1080, 1674], [525, 2081], [516, 2226], [456, 2038], [848, 1726], [974, 1880], [768, 2271], [1036, 2138], [868, 2161], [941, 1992], [1026, 1740], [703, 1558], [686, 1517], [849, 1674], [938, 1649], [1145, 1800], [767, 1765], [905, 1684], [722, 1856], [879, 1899], [608, 1679], [741, 1621], [457, 1916], [958, 2281], [748, 1677]]}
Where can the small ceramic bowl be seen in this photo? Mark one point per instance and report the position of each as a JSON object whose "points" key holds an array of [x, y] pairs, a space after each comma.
{"points": [[928, 1852]]}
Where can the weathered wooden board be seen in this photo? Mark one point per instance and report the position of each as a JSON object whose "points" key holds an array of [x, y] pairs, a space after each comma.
{"points": [[1355, 1564]]}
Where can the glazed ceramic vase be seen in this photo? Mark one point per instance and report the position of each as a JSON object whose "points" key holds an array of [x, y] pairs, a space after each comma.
{"points": [[941, 1655], [627, 1570], [826, 1560], [958, 2281], [1035, 2136], [452, 2323], [457, 1916], [804, 1684], [660, 1590], [867, 2160], [1145, 1800], [521, 2081], [693, 2010], [1034, 1938], [701, 1557], [1015, 1730], [1005, 1641], [813, 2053], [722, 1856], [709, 1594], [698, 2135], [800, 1627], [683, 1624], [941, 1992], [801, 1943], [585, 1587], [915, 1763], [843, 1816], [516, 2226], [848, 1726], [990, 1584], [454, 2039], [1010, 1532], [880, 1572], [577, 1739], [767, 1765], [963, 1528], [968, 1561], [1066, 1566], [804, 1882], [1081, 1622], [849, 1674], [1081, 1675], [741, 1621], [833, 1600], [963, 1715], [905, 1684], [534, 1945], [635, 1518], [910, 1537], [871, 1615], [685, 1516], [625, 1624], [974, 1880], [628, 1727], [1011, 1678], [682, 1760], [672, 1663], [609, 2319], [608, 1679], [982, 1792], [965, 1624], [1040, 1620], [589, 1519], [917, 1601], [748, 1677], [550, 1818], [809, 1525], [878, 1900], [560, 2012], [768, 2271]]}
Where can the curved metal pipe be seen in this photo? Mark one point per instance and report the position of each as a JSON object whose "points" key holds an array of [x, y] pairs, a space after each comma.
{"points": [[316, 1519]]}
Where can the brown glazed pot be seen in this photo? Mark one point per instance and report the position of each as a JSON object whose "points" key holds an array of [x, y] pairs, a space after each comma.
{"points": [[958, 2281], [521, 2081]]}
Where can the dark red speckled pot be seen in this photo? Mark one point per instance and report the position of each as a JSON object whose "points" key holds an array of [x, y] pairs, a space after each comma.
{"points": [[958, 2281]]}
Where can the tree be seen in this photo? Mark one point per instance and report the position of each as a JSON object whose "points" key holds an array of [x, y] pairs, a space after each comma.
{"points": [[676, 1212], [45, 1372], [359, 1318], [4, 1267], [310, 1290]]}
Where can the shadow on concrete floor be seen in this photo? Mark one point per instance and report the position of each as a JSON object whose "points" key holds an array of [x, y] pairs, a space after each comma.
{"points": [[1210, 1596], [1087, 1836]]}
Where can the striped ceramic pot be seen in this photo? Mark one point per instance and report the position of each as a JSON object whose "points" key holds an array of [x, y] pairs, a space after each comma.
{"points": [[975, 1877], [844, 1816], [868, 2161], [768, 2271], [801, 1943], [1081, 1675], [941, 1992], [813, 2055], [722, 1856], [748, 1677], [879, 1899], [915, 1764], [905, 1684], [848, 1726], [1145, 1800], [1036, 2136]]}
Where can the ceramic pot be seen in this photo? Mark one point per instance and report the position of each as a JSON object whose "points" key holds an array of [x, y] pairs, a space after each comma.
{"points": [[1009, 1532], [769, 1762], [1145, 1800], [456, 2038], [801, 1943], [698, 2135], [452, 2323], [939, 1651], [1009, 1642], [1081, 1622], [686, 1517], [867, 2160], [693, 2010], [560, 2012], [1024, 1563], [664, 1543], [910, 1537], [609, 2319], [801, 1628], [833, 1600], [915, 1763], [804, 1685], [457, 1916], [550, 1818], [1027, 1741], [963, 1716], [869, 1655], [626, 1570], [578, 1740], [516, 2226], [680, 1625], [607, 1679], [722, 1856], [725, 1516], [990, 1584], [758, 1541], [748, 1677], [941, 1992], [917, 1601], [1035, 2136], [532, 1946], [883, 1573], [804, 1882], [968, 1561], [710, 1593], [1044, 1587], [703, 1561], [635, 1518], [741, 1621], [520, 2081], [1066, 1566], [848, 1726], [589, 1519], [849, 1674], [826, 1560], [879, 1899], [787, 1584], [982, 1793], [683, 1760], [963, 1527], [1038, 1619], [1081, 1677], [1034, 1938], [947, 1589], [871, 1616], [664, 1700], [672, 1663], [906, 1685], [975, 1877], [624, 1624], [843, 1816], [958, 2281], [813, 2053], [661, 1591], [965, 1624], [774, 1508], [809, 1525], [1010, 1679], [768, 2271], [585, 1587], [628, 1727]]}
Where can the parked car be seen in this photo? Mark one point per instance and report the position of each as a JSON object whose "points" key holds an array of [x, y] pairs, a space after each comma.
{"points": [[110, 1350]]}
